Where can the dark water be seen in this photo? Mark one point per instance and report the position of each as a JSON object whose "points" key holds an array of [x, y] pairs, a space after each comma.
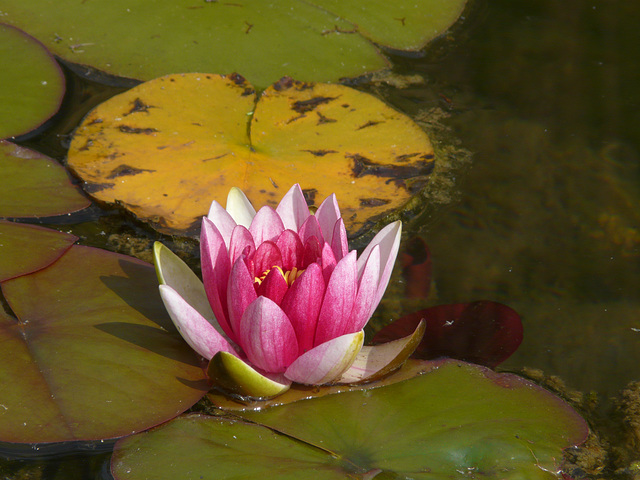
{"points": [[546, 217]]}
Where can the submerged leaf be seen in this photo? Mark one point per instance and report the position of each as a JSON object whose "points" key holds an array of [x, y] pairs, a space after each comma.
{"points": [[453, 421], [93, 354], [167, 148], [482, 332]]}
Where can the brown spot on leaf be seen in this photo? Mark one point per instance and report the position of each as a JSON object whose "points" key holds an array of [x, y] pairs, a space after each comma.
{"points": [[373, 202], [370, 123], [322, 119], [139, 106], [126, 170], [310, 195], [395, 173], [96, 187], [129, 129], [87, 145], [95, 121], [407, 156], [319, 153], [286, 83], [304, 106]]}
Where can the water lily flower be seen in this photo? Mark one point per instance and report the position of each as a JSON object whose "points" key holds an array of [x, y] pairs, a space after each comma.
{"points": [[283, 298]]}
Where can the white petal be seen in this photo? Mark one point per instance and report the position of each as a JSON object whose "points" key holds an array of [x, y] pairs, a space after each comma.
{"points": [[239, 207]]}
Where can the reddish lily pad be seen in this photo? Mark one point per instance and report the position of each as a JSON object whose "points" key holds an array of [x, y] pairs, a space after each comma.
{"points": [[456, 420], [93, 354], [168, 147], [34, 185], [27, 248], [310, 40], [483, 332], [32, 83]]}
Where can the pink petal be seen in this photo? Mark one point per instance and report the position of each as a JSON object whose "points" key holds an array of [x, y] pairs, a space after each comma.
{"points": [[240, 294], [240, 240], [389, 240], [339, 242], [367, 290], [312, 252], [338, 300], [215, 266], [293, 209], [328, 214], [267, 336], [311, 228], [327, 361], [266, 257], [302, 305], [266, 225], [274, 286], [222, 220], [378, 361], [291, 249], [194, 328], [328, 262]]}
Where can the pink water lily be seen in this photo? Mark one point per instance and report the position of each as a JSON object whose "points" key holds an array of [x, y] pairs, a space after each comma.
{"points": [[283, 299]]}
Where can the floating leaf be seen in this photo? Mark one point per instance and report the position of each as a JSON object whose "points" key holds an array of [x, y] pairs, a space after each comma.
{"points": [[482, 332], [34, 185], [310, 40], [32, 84], [93, 354], [454, 421], [27, 248], [168, 147]]}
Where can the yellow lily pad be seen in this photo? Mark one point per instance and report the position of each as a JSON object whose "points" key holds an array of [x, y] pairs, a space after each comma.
{"points": [[168, 147]]}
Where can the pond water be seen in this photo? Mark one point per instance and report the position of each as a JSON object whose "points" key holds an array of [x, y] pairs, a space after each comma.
{"points": [[546, 215]]}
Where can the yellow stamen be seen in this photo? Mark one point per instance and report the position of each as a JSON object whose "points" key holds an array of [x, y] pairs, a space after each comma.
{"points": [[289, 276]]}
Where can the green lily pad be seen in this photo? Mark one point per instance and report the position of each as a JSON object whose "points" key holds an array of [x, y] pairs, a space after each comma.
{"points": [[309, 40], [32, 84], [455, 421], [168, 147], [92, 355], [34, 185], [27, 248]]}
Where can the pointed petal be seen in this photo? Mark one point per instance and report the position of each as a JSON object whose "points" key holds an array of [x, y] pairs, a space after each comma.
{"points": [[327, 361], [239, 207], [311, 228], [267, 337], [274, 286], [375, 362], [293, 209], [240, 294], [214, 261], [338, 300], [292, 250], [222, 220], [266, 225], [339, 242], [194, 328], [302, 304], [389, 240], [328, 262], [266, 257], [367, 290], [236, 376], [172, 271], [240, 240], [328, 214]]}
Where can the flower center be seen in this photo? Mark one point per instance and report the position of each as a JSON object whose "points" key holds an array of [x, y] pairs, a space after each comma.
{"points": [[289, 276]]}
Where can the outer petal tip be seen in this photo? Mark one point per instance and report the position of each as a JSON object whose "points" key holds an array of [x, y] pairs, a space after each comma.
{"points": [[237, 377], [239, 207], [326, 362]]}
